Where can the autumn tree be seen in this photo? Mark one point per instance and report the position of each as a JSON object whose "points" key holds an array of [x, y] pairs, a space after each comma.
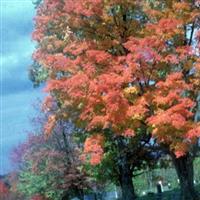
{"points": [[4, 191], [130, 67], [125, 158], [50, 169]]}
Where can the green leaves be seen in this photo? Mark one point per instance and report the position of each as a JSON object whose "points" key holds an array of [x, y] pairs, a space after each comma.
{"points": [[31, 183], [38, 74]]}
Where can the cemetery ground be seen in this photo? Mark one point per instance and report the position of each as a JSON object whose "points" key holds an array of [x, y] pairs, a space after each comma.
{"points": [[168, 195], [145, 184]]}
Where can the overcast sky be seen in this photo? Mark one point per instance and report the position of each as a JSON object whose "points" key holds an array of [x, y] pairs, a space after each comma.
{"points": [[17, 94]]}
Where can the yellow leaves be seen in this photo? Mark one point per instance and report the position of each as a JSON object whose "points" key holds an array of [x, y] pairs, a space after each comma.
{"points": [[137, 117], [80, 105], [131, 90], [107, 18]]}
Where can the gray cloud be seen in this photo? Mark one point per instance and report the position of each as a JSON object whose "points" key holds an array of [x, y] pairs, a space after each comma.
{"points": [[17, 46], [18, 94]]}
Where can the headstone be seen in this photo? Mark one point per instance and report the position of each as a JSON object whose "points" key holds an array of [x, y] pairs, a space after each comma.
{"points": [[169, 186], [159, 187]]}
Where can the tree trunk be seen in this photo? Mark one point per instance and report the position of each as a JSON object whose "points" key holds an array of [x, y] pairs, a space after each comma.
{"points": [[125, 172], [80, 194], [128, 192], [65, 196], [185, 172], [76, 193]]}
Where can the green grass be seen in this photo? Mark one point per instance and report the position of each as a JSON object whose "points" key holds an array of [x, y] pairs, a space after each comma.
{"points": [[147, 181], [169, 195]]}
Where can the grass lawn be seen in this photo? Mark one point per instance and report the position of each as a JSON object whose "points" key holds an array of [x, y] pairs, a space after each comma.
{"points": [[169, 195]]}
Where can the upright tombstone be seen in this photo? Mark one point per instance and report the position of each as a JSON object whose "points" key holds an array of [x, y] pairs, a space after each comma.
{"points": [[159, 187]]}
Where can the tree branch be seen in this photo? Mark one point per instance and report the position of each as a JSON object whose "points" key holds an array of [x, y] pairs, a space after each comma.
{"points": [[192, 33]]}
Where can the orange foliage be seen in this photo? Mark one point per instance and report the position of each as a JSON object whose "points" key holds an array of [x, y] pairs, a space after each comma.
{"points": [[50, 124], [93, 147], [120, 72], [129, 133]]}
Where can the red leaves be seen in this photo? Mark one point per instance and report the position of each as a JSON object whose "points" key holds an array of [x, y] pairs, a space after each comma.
{"points": [[132, 44], [172, 120], [38, 35], [110, 82], [93, 148], [179, 154], [101, 57], [111, 104], [139, 77], [19, 152], [167, 118], [173, 107], [166, 27], [172, 59], [53, 85], [194, 132], [76, 48], [168, 24], [129, 133], [171, 80], [84, 7], [48, 11], [184, 52], [41, 22], [3, 189], [115, 104], [76, 86], [97, 121], [60, 63], [180, 148], [143, 49], [38, 197], [139, 109], [171, 90]]}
